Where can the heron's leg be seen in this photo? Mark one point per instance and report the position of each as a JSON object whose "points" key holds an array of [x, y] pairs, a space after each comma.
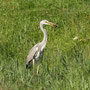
{"points": [[33, 66], [38, 67]]}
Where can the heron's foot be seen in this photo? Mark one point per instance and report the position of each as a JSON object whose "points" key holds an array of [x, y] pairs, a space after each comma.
{"points": [[33, 73], [33, 70], [38, 70]]}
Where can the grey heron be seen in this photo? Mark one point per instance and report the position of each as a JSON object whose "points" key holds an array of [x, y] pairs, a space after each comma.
{"points": [[37, 51]]}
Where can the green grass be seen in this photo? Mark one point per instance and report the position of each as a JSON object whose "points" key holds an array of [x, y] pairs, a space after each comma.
{"points": [[65, 64]]}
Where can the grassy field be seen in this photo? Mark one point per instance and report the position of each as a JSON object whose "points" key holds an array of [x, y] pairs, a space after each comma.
{"points": [[65, 64]]}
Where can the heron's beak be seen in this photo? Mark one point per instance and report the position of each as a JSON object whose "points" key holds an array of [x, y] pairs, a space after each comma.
{"points": [[52, 24]]}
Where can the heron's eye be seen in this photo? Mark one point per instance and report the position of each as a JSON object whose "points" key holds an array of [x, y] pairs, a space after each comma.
{"points": [[46, 21]]}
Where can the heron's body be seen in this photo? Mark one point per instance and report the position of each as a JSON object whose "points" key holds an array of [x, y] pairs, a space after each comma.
{"points": [[37, 51], [34, 53]]}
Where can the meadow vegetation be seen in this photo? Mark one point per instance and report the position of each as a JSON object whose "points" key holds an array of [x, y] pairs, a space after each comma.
{"points": [[65, 64]]}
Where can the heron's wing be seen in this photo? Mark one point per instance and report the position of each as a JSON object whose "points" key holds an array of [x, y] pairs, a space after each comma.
{"points": [[32, 53]]}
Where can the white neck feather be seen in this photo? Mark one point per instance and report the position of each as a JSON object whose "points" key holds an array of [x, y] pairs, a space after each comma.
{"points": [[44, 41]]}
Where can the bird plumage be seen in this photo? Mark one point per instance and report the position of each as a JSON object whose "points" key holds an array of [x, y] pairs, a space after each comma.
{"points": [[34, 53], [37, 51]]}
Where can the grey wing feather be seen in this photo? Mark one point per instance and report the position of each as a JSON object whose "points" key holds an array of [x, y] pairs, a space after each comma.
{"points": [[32, 53]]}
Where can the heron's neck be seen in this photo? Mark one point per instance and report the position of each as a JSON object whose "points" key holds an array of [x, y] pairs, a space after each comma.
{"points": [[45, 34]]}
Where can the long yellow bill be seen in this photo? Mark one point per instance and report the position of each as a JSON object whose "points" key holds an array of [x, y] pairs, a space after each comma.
{"points": [[52, 24]]}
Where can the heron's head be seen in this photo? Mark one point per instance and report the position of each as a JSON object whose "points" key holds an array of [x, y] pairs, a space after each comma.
{"points": [[48, 23]]}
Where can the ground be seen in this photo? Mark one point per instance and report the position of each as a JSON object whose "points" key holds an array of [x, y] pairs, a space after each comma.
{"points": [[65, 64]]}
